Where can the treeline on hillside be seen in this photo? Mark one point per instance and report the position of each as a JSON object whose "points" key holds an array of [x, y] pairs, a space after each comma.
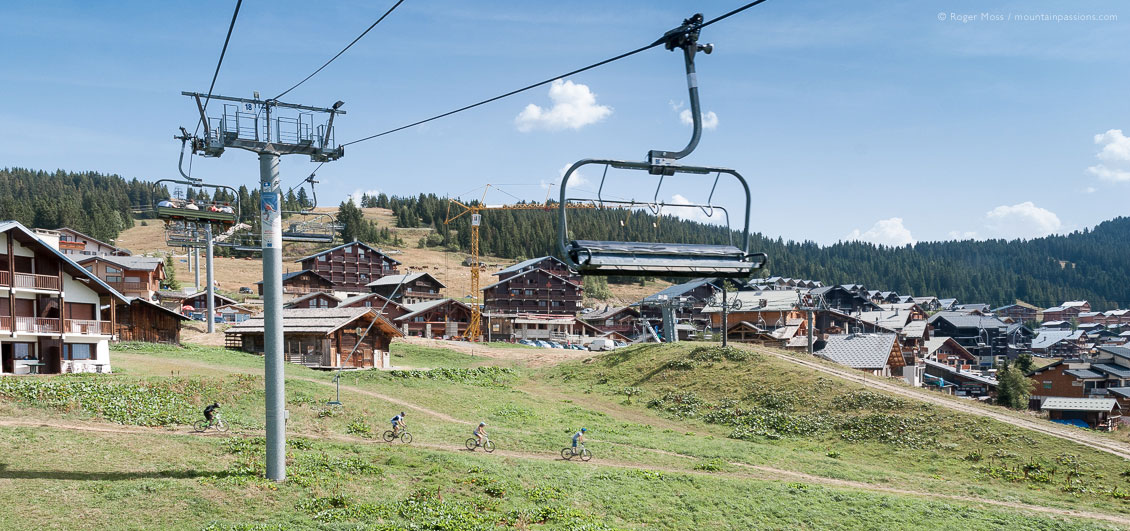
{"points": [[1092, 264], [89, 202]]}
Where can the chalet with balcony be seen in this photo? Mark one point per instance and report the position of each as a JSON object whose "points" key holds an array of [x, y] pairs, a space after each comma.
{"points": [[534, 291], [1067, 311], [545, 263], [1021, 312], [323, 338], [409, 288], [142, 320], [389, 309], [55, 316], [948, 352], [878, 354], [441, 318], [622, 319], [1106, 374], [198, 302], [235, 313], [847, 299], [988, 338], [73, 242], [687, 299], [1053, 343], [132, 276], [351, 266], [301, 283], [314, 300]]}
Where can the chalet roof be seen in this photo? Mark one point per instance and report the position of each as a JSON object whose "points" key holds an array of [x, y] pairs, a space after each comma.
{"points": [[344, 245], [1074, 304], [1115, 313], [394, 280], [935, 343], [136, 263], [1124, 392], [1121, 352], [992, 382], [519, 275], [1055, 309], [26, 237], [1117, 371], [170, 294], [892, 319], [526, 263], [1089, 314], [964, 320], [946, 303], [859, 351], [775, 301], [1058, 403], [315, 321], [350, 300], [1085, 374], [227, 300], [421, 307], [679, 289], [236, 307], [93, 239], [288, 276], [1047, 338], [309, 296], [914, 329], [144, 302], [608, 312]]}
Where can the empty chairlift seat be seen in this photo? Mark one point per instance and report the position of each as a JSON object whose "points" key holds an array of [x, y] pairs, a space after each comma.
{"points": [[663, 259]]}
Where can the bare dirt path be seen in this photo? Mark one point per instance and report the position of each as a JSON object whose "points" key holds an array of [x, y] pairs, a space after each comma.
{"points": [[1075, 435], [754, 472]]}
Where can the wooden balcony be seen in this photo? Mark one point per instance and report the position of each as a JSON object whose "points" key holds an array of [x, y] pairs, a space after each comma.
{"points": [[304, 290], [129, 287], [65, 245], [31, 281]]}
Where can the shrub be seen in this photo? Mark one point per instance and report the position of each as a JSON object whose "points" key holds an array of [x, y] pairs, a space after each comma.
{"points": [[713, 465], [359, 428]]}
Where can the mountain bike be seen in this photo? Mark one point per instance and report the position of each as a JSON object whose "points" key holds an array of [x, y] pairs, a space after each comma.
{"points": [[473, 443], [582, 452], [216, 422], [404, 436]]}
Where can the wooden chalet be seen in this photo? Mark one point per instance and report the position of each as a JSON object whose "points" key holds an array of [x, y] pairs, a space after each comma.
{"points": [[1095, 413], [878, 354], [55, 316], [443, 318], [692, 295], [301, 283], [142, 320], [235, 313], [549, 264], [409, 288], [947, 351], [73, 242], [534, 291], [350, 266], [324, 337], [132, 276], [199, 303], [318, 299], [622, 319], [389, 309]]}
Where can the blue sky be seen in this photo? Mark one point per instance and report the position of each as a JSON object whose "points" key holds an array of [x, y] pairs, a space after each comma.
{"points": [[889, 122]]}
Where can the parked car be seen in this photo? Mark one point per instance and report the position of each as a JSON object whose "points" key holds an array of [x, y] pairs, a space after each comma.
{"points": [[245, 289], [541, 343], [527, 342], [601, 344], [576, 347], [554, 344]]}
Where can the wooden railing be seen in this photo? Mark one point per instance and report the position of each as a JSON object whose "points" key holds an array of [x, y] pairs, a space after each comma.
{"points": [[303, 290], [31, 281], [5, 278], [87, 326], [5, 323], [40, 325], [123, 286]]}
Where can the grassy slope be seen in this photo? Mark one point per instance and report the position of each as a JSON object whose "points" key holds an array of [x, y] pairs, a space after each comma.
{"points": [[168, 477]]}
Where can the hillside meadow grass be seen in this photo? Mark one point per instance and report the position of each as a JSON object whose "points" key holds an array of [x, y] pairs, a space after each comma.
{"points": [[663, 423]]}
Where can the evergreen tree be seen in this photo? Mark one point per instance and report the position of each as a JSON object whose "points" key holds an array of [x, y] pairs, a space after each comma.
{"points": [[1013, 387], [171, 274], [351, 220], [1024, 363]]}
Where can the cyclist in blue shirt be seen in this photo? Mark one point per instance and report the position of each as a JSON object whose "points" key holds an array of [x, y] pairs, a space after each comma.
{"points": [[481, 433], [578, 437], [398, 423]]}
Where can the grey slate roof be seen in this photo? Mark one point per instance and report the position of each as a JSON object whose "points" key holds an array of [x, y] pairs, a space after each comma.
{"points": [[914, 329], [288, 276], [859, 351], [1084, 374], [308, 296], [526, 263], [393, 280], [137, 263], [679, 289], [1117, 371], [992, 382], [963, 320], [1058, 403], [1124, 392], [419, 307], [1121, 352], [362, 244], [308, 320], [1048, 338]]}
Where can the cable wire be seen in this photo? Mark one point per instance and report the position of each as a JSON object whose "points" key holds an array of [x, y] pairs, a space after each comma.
{"points": [[223, 52], [658, 42], [307, 78]]}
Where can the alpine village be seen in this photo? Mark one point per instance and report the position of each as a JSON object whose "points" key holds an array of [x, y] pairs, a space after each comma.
{"points": [[212, 348]]}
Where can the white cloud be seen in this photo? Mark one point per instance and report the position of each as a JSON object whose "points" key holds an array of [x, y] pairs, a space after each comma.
{"points": [[1116, 146], [1114, 175], [1089, 190], [1023, 220], [356, 195], [693, 213], [709, 119], [884, 232], [574, 106]]}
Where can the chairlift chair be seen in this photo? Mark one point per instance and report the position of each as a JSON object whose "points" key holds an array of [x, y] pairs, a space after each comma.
{"points": [[310, 226], [593, 257]]}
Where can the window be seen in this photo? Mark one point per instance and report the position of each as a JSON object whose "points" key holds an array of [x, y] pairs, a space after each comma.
{"points": [[1047, 385], [112, 270], [348, 250], [78, 351], [321, 258], [89, 268], [23, 351], [113, 278]]}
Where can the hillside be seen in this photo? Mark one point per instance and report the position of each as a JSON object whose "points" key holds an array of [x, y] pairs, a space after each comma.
{"points": [[854, 458]]}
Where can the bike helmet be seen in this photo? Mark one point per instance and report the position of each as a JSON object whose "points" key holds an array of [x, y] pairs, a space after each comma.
{"points": [[584, 430], [482, 424], [402, 413]]}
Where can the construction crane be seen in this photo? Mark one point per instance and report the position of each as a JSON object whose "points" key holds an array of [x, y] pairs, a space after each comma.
{"points": [[474, 332]]}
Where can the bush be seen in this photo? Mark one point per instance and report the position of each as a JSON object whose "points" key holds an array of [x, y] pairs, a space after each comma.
{"points": [[359, 428], [713, 465]]}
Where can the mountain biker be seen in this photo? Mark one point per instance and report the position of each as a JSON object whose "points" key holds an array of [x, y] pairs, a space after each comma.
{"points": [[578, 437], [209, 412], [481, 433], [398, 423]]}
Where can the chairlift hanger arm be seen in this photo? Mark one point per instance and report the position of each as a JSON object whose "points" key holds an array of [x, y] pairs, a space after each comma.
{"points": [[684, 37], [268, 102]]}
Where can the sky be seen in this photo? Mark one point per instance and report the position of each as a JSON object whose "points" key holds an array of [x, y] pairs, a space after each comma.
{"points": [[889, 122]]}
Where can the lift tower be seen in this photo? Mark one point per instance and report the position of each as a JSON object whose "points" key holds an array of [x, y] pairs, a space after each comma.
{"points": [[270, 128]]}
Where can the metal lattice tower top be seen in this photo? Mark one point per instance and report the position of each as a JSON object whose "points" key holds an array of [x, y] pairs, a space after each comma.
{"points": [[268, 126]]}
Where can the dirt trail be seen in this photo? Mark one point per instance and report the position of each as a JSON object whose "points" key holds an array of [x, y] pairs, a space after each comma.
{"points": [[755, 472], [1074, 435]]}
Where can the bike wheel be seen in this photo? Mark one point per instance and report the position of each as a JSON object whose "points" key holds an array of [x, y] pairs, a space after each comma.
{"points": [[488, 446], [472, 443], [585, 454], [389, 436], [405, 437], [221, 426], [200, 426], [566, 453]]}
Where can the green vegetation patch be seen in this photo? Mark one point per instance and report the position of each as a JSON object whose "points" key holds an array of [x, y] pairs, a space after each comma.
{"points": [[477, 376]]}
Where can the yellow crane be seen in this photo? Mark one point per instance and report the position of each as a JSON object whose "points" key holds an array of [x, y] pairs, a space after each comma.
{"points": [[474, 328]]}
